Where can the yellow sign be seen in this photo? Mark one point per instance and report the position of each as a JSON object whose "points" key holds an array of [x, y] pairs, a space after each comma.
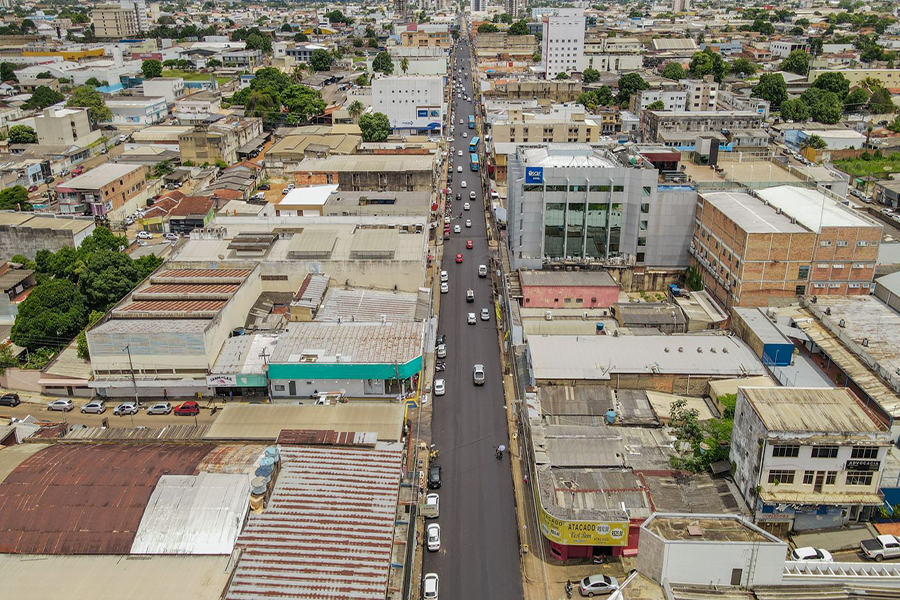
{"points": [[583, 533]]}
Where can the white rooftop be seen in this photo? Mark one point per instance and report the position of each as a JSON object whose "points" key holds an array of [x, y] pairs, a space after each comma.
{"points": [[750, 214], [567, 155], [308, 196], [812, 209]]}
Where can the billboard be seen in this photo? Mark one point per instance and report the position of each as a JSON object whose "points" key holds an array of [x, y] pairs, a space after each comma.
{"points": [[582, 533], [534, 174]]}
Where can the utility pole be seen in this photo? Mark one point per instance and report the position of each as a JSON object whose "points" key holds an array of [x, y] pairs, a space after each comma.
{"points": [[264, 354], [137, 399]]}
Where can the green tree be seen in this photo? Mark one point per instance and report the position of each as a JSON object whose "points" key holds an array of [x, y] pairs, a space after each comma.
{"points": [[355, 109], [375, 127], [562, 75], [320, 60], [833, 82], [763, 27], [827, 109], [588, 100], [518, 28], [93, 82], [6, 71], [15, 197], [259, 41], [383, 63], [301, 37], [815, 142], [880, 102], [161, 169], [605, 96], [89, 98], [629, 84], [404, 65], [302, 102], [22, 134], [506, 18], [286, 28], [213, 63], [52, 314], [657, 105], [742, 66], [83, 351], [674, 71], [794, 110], [44, 75], [771, 87], [109, 276], [797, 62], [706, 63], [590, 75], [151, 68], [362, 80], [487, 28], [856, 100], [42, 97]]}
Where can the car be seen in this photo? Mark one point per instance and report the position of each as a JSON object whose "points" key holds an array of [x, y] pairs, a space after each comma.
{"points": [[430, 587], [810, 554], [433, 537], [456, 229], [442, 351], [450, 139], [485, 314], [468, 222], [187, 409], [34, 188], [445, 287], [64, 405], [459, 152], [482, 271], [595, 585], [172, 237], [472, 195], [462, 184], [11, 399], [126, 408], [144, 235], [284, 191], [470, 319], [441, 339], [470, 296], [466, 206], [160, 408], [465, 134], [458, 170], [460, 122], [434, 476], [77, 170], [446, 234], [97, 407], [129, 221], [468, 244], [447, 220], [445, 276], [435, 501], [459, 257], [478, 374], [458, 196], [265, 187], [440, 387]]}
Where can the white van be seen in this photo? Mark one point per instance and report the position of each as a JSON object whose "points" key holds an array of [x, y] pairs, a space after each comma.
{"points": [[482, 270]]}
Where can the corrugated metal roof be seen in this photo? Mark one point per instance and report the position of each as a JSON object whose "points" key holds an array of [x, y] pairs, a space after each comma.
{"points": [[367, 305], [205, 273], [195, 288], [356, 343], [180, 306], [77, 499], [327, 531], [818, 410], [132, 434]]}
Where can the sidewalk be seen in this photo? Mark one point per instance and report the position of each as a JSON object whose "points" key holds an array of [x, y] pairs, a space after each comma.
{"points": [[835, 540]]}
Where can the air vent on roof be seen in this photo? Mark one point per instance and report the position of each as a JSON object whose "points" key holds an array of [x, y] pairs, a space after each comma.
{"points": [[694, 530], [865, 342], [681, 348], [841, 323]]}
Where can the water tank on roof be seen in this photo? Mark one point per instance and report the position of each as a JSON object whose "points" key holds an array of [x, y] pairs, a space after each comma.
{"points": [[610, 417]]}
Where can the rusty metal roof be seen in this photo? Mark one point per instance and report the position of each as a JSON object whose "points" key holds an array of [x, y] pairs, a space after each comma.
{"points": [[86, 499], [180, 306], [188, 273], [301, 437], [190, 288], [327, 531]]}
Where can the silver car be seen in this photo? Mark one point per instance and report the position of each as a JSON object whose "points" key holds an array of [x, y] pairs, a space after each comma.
{"points": [[64, 405], [160, 408], [97, 407], [126, 408]]}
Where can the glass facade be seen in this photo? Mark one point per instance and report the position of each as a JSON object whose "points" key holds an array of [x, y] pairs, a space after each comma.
{"points": [[596, 229], [575, 230], [554, 227]]}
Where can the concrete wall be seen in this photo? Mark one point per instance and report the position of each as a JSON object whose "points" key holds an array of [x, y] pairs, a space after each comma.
{"points": [[746, 449], [25, 380], [712, 563], [27, 241], [565, 297]]}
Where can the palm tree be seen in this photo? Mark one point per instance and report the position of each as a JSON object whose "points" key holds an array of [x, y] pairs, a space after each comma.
{"points": [[404, 65], [355, 109], [300, 72]]}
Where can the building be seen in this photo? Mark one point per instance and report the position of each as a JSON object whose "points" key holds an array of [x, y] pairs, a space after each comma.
{"points": [[137, 110], [170, 88], [546, 129], [681, 6], [304, 201], [562, 44], [782, 48], [26, 233], [492, 49], [732, 101], [568, 289], [808, 458], [574, 204], [241, 59], [377, 173], [673, 97], [613, 63], [413, 104], [65, 127], [342, 203], [655, 123], [701, 94], [302, 53], [426, 39], [102, 190], [889, 78], [534, 89], [612, 54], [114, 21], [219, 140], [197, 107], [887, 192], [190, 213]]}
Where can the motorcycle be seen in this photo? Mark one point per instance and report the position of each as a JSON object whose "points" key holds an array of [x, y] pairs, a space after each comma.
{"points": [[440, 366], [568, 589]]}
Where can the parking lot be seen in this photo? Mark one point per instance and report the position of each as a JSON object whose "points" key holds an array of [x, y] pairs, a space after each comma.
{"points": [[40, 412]]}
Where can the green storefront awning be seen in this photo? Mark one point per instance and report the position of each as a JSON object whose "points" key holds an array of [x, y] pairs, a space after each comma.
{"points": [[344, 370]]}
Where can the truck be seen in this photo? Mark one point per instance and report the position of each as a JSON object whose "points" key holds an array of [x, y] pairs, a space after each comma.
{"points": [[881, 547]]}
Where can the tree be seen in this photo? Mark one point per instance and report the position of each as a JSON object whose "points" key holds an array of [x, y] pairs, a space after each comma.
{"points": [[518, 28], [28, 26], [814, 142], [259, 41], [629, 84], [706, 63], [83, 350], [375, 127], [856, 100], [383, 63], [362, 80], [301, 37], [44, 75], [794, 110], [771, 87], [562, 75], [151, 68], [674, 71], [742, 66], [302, 102], [93, 82], [320, 60], [605, 96], [487, 28], [657, 105], [880, 102], [506, 18], [286, 28], [763, 27], [833, 82], [15, 197], [7, 73], [22, 134], [797, 62], [43, 97], [404, 65], [52, 314], [161, 169], [89, 98], [213, 63], [588, 100], [827, 109], [590, 75], [109, 276], [355, 109]]}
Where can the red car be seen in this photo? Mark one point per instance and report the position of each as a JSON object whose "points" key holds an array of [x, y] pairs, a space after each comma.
{"points": [[187, 409], [459, 258], [32, 188], [468, 244]]}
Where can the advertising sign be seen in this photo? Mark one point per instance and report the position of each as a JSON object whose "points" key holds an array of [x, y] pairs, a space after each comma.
{"points": [[422, 113], [221, 381], [863, 465], [583, 533], [534, 174]]}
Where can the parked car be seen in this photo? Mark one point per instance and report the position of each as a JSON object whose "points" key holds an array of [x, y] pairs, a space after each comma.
{"points": [[442, 351], [433, 535], [810, 554], [144, 235], [478, 374], [881, 547], [430, 587], [160, 408], [126, 408], [187, 409], [435, 501], [64, 405], [457, 229], [97, 407], [598, 585], [445, 276], [32, 188], [172, 237], [439, 387], [11, 399], [445, 287], [441, 339], [265, 187], [434, 476]]}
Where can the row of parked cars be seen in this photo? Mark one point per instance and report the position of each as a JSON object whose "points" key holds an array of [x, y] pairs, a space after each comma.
{"points": [[98, 407]]}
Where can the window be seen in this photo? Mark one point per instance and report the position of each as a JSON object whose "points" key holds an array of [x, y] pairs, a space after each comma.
{"points": [[533, 188], [642, 242], [780, 476], [785, 451], [859, 266], [859, 477], [824, 451], [822, 266], [803, 272], [834, 286], [809, 477], [838, 265], [645, 191], [599, 188], [640, 257], [273, 277], [618, 188], [864, 452], [862, 243], [825, 243], [279, 388], [645, 207], [842, 243], [642, 225], [800, 290], [830, 477]]}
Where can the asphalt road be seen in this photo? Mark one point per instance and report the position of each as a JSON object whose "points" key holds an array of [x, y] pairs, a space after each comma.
{"points": [[40, 412], [479, 556]]}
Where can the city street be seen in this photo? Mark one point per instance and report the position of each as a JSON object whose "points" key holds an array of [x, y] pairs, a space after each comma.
{"points": [[479, 555], [75, 417]]}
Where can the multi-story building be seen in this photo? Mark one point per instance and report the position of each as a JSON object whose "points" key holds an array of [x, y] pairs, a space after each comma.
{"points": [[101, 190], [137, 110], [889, 78], [114, 21], [680, 6], [656, 122], [302, 53], [426, 39], [493, 48], [170, 88], [613, 63], [577, 204], [65, 127], [690, 95], [513, 7], [241, 59], [197, 107], [729, 100], [413, 104], [701, 94], [402, 173], [563, 42], [792, 242], [531, 89], [219, 140], [546, 129], [782, 48], [808, 458]]}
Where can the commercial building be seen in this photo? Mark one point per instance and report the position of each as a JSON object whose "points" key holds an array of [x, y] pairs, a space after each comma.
{"points": [[102, 190], [730, 100], [889, 78], [26, 233], [496, 48], [783, 48], [197, 107], [317, 142], [562, 44], [65, 127], [137, 110], [413, 104], [531, 128], [114, 21], [530, 89], [304, 201], [568, 289], [219, 140], [377, 173], [190, 213], [408, 204], [414, 38], [655, 123], [575, 204], [170, 88], [808, 458], [302, 53]]}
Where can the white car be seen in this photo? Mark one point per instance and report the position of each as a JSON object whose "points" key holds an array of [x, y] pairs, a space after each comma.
{"points": [[466, 206], [172, 237], [478, 374], [435, 501], [442, 351], [64, 405], [456, 229], [810, 554], [485, 314], [447, 220], [459, 169], [126, 408], [439, 388], [430, 587], [465, 134], [97, 407], [144, 235], [468, 222], [459, 152], [445, 276], [471, 319], [460, 122], [462, 183], [472, 195], [433, 533], [445, 287]]}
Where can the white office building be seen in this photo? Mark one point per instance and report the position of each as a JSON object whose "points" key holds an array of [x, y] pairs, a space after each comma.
{"points": [[563, 42], [413, 104]]}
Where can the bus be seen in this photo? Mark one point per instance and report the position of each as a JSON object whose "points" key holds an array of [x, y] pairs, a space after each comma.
{"points": [[473, 161], [473, 145], [471, 121]]}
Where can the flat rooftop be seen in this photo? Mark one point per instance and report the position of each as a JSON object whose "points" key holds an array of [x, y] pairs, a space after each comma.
{"points": [[812, 208], [368, 163], [819, 410], [24, 220], [349, 343], [315, 195], [702, 528], [100, 176], [566, 279], [751, 214], [568, 155]]}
